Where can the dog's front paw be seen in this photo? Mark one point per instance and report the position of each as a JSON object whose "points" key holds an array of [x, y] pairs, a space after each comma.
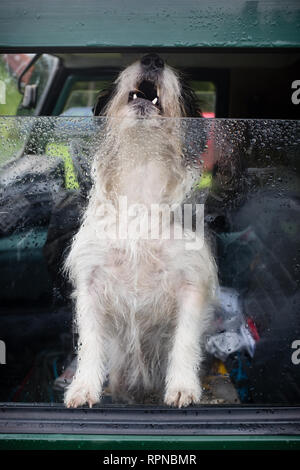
{"points": [[184, 395], [79, 393]]}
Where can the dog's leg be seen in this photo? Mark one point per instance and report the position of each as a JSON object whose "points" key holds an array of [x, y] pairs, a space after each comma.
{"points": [[182, 379], [90, 374]]}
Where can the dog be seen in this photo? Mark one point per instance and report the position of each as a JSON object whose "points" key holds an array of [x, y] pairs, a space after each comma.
{"points": [[142, 304]]}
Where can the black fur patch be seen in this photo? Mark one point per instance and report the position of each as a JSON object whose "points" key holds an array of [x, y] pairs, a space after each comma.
{"points": [[103, 99], [190, 101]]}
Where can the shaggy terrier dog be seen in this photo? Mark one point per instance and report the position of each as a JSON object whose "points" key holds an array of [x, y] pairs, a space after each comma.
{"points": [[143, 302]]}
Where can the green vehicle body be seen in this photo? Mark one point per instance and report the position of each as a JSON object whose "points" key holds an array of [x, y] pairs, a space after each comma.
{"points": [[166, 25], [158, 24]]}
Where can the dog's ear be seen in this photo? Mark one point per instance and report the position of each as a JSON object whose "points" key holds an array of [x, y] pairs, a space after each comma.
{"points": [[190, 101], [102, 100], [195, 135]]}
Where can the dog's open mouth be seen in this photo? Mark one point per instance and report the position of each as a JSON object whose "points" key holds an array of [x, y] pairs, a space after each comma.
{"points": [[148, 91]]}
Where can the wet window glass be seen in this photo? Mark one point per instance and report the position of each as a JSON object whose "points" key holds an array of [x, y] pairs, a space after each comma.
{"points": [[248, 178]]}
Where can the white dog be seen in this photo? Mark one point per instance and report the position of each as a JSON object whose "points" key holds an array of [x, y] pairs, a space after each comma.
{"points": [[142, 304]]}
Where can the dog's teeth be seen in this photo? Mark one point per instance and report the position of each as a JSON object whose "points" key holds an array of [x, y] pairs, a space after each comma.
{"points": [[134, 96], [154, 101]]}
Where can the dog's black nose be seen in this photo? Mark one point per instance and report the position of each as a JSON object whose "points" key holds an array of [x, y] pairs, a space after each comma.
{"points": [[152, 62]]}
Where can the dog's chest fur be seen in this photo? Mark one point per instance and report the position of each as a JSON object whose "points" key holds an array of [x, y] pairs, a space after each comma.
{"points": [[142, 274], [145, 182]]}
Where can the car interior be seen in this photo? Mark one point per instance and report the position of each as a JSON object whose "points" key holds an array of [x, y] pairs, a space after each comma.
{"points": [[248, 141]]}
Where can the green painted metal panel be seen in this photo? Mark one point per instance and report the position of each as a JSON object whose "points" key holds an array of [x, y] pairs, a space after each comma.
{"points": [[118, 442], [159, 23]]}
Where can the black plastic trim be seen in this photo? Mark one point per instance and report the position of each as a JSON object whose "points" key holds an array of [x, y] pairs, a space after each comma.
{"points": [[148, 420]]}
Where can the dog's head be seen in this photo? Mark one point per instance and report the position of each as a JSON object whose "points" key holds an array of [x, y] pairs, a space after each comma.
{"points": [[148, 88]]}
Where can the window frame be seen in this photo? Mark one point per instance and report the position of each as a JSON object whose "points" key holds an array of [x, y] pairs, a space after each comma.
{"points": [[144, 420], [117, 426]]}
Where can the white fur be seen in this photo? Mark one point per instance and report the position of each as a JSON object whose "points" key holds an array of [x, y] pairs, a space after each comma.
{"points": [[142, 306]]}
